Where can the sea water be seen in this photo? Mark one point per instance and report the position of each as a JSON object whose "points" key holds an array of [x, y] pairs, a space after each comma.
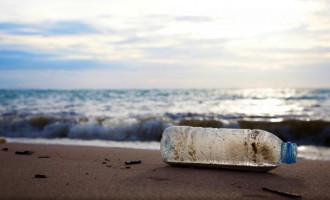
{"points": [[140, 116]]}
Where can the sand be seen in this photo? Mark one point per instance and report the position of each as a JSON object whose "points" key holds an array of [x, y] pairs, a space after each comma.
{"points": [[74, 172]]}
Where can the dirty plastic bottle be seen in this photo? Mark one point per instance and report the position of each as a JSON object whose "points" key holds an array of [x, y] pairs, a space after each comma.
{"points": [[241, 149]]}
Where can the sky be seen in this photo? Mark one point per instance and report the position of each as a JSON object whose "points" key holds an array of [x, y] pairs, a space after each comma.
{"points": [[119, 44]]}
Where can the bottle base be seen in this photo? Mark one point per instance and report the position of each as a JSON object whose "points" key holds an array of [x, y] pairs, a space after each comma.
{"points": [[221, 166]]}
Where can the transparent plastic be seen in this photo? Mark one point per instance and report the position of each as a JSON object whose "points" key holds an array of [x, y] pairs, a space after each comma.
{"points": [[242, 149]]}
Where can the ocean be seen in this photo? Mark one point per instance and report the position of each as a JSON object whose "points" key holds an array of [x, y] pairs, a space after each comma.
{"points": [[137, 118]]}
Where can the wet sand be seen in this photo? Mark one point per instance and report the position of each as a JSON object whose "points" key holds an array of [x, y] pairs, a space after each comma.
{"points": [[74, 172]]}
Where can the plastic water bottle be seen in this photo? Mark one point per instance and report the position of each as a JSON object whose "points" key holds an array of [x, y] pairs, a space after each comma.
{"points": [[242, 149]]}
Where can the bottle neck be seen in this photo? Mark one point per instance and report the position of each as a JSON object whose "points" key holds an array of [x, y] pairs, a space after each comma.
{"points": [[288, 153]]}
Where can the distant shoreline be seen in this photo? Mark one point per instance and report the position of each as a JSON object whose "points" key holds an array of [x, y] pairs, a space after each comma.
{"points": [[187, 88]]}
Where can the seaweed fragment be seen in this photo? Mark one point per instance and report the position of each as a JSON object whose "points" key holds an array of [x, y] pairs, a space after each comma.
{"points": [[2, 141]]}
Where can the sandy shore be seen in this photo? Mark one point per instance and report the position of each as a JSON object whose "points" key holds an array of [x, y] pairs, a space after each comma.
{"points": [[74, 172]]}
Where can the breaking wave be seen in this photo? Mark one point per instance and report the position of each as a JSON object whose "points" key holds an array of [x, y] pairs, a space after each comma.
{"points": [[149, 129], [314, 132]]}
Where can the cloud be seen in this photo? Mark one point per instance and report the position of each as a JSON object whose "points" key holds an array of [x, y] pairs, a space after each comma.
{"points": [[48, 28], [18, 29], [70, 28], [132, 40], [193, 18], [23, 60], [181, 18]]}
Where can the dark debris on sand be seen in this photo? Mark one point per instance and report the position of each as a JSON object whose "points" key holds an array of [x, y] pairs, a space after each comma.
{"points": [[4, 149], [24, 152], [40, 176], [133, 162]]}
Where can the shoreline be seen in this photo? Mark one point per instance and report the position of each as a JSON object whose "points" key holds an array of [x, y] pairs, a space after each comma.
{"points": [[144, 145], [82, 172], [309, 152]]}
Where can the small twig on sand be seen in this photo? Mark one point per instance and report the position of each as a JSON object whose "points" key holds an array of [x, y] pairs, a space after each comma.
{"points": [[43, 156], [288, 194]]}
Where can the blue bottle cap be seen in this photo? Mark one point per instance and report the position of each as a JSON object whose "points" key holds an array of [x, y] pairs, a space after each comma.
{"points": [[289, 153]]}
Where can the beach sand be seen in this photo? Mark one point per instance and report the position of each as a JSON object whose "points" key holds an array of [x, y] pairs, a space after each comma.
{"points": [[75, 172]]}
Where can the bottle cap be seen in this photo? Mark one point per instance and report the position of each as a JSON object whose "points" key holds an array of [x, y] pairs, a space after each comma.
{"points": [[289, 153]]}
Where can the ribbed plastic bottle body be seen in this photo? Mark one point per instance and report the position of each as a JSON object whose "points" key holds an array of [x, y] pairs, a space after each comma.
{"points": [[245, 149]]}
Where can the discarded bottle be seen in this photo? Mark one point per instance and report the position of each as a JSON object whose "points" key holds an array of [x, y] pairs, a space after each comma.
{"points": [[241, 149]]}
